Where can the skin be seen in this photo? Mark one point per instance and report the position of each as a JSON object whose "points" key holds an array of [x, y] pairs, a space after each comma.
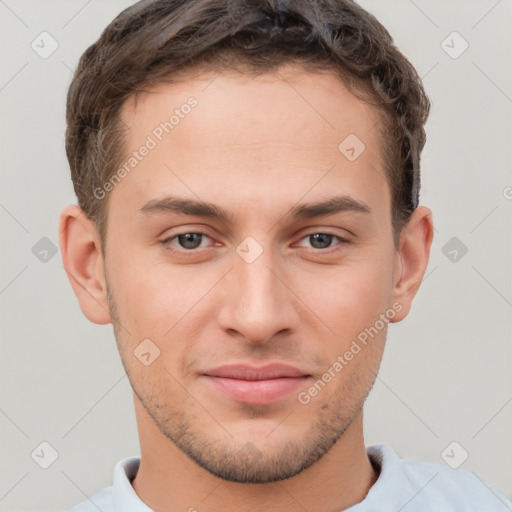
{"points": [[256, 148]]}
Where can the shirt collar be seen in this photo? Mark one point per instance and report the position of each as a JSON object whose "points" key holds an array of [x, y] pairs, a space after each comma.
{"points": [[124, 496], [391, 481], [381, 455]]}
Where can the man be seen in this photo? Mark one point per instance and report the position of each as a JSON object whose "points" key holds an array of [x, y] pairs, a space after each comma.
{"points": [[248, 180]]}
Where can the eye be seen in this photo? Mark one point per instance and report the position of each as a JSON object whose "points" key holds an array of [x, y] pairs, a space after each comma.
{"points": [[187, 241], [323, 240]]}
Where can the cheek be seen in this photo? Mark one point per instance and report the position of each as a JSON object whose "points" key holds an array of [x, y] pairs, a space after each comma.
{"points": [[159, 301], [139, 298], [348, 297]]}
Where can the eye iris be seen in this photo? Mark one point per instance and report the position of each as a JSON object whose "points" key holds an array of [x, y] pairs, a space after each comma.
{"points": [[320, 240], [190, 240]]}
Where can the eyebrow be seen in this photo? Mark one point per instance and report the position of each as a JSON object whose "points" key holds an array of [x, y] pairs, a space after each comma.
{"points": [[179, 205], [186, 206], [331, 206]]}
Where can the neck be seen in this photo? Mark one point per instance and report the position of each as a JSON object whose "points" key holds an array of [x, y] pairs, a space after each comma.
{"points": [[169, 481]]}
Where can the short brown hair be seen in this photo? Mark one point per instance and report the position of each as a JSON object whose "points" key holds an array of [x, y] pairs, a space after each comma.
{"points": [[154, 39]]}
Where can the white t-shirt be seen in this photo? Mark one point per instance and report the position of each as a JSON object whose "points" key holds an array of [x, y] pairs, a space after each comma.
{"points": [[403, 485]]}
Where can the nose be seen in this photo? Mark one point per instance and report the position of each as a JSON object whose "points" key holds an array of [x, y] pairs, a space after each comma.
{"points": [[259, 302]]}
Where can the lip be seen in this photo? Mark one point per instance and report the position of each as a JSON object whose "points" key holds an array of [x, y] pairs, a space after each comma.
{"points": [[256, 385]]}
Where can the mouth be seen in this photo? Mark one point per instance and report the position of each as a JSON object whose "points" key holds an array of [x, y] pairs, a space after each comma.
{"points": [[256, 385]]}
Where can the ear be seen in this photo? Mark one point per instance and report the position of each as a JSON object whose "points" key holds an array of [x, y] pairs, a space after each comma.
{"points": [[412, 259], [81, 254]]}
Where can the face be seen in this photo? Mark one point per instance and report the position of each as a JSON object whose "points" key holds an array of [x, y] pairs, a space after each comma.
{"points": [[279, 251]]}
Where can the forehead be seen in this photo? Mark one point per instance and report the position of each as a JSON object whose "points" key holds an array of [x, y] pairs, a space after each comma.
{"points": [[285, 130], [318, 101]]}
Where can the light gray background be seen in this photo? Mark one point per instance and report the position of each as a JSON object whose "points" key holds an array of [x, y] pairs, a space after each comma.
{"points": [[446, 373]]}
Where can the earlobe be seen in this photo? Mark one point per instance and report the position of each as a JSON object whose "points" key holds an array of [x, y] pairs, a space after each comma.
{"points": [[412, 258], [83, 262]]}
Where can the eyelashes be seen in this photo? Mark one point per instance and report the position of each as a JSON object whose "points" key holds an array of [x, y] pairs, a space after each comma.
{"points": [[189, 239], [322, 239], [191, 242]]}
